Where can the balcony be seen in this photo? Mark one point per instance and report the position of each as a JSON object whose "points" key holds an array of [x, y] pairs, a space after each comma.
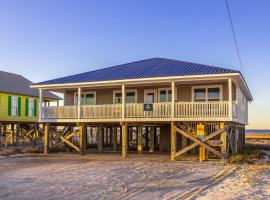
{"points": [[185, 111]]}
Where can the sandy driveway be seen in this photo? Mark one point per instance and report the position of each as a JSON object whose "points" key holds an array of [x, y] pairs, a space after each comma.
{"points": [[108, 177]]}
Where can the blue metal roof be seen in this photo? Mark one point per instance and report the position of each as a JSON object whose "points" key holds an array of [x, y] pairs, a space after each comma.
{"points": [[154, 67]]}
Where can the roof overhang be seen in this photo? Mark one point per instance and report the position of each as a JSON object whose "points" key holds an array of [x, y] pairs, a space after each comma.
{"points": [[237, 77]]}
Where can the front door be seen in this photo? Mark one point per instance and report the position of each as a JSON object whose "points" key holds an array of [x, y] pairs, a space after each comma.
{"points": [[150, 96]]}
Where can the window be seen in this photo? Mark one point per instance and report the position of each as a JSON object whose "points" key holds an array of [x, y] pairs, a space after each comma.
{"points": [[199, 94], [213, 94], [207, 93], [87, 98], [30, 107], [131, 96], [165, 95], [118, 97], [14, 106]]}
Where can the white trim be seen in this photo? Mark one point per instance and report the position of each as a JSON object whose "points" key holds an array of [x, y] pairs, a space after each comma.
{"points": [[130, 90], [206, 87], [148, 80], [84, 97], [33, 109], [163, 79], [150, 91], [14, 107], [167, 89]]}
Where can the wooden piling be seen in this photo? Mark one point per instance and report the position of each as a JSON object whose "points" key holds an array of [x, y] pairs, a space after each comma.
{"points": [[115, 138], [140, 148], [82, 133], [152, 139], [124, 140], [173, 141], [46, 139], [100, 139]]}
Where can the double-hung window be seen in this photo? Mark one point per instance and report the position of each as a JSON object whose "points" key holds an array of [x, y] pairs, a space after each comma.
{"points": [[87, 98], [14, 106], [131, 96], [30, 107], [207, 93], [165, 95]]}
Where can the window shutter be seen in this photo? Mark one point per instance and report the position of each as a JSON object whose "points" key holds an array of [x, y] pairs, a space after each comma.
{"points": [[19, 106], [35, 107], [9, 105], [26, 107]]}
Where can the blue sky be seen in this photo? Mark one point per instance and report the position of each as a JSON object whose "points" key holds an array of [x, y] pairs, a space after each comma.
{"points": [[52, 38]]}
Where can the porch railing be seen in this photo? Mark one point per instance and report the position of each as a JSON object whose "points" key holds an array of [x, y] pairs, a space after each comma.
{"points": [[136, 110], [60, 112], [202, 109], [101, 111]]}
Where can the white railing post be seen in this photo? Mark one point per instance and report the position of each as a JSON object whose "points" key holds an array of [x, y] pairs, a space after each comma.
{"points": [[230, 97], [123, 100], [173, 99], [40, 105], [79, 103]]}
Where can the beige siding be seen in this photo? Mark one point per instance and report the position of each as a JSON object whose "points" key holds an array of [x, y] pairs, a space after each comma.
{"points": [[184, 93], [69, 98]]}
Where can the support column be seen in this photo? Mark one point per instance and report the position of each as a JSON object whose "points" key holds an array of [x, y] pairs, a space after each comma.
{"points": [[18, 132], [12, 134], [123, 101], [152, 139], [115, 138], [223, 138], [100, 139], [173, 141], [230, 96], [124, 140], [140, 147], [46, 139], [40, 114], [173, 99], [82, 138], [201, 133], [79, 103]]}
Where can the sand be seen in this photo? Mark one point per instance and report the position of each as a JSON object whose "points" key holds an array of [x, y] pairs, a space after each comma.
{"points": [[106, 176]]}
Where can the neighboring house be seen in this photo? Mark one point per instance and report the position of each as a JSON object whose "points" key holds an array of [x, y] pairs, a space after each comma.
{"points": [[19, 102], [162, 97]]}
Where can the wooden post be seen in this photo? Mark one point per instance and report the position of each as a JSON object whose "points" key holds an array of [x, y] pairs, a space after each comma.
{"points": [[230, 97], [18, 132], [173, 141], [140, 148], [40, 115], [152, 139], [12, 134], [46, 139], [173, 99], [124, 140], [115, 138], [201, 134], [79, 103], [123, 101], [100, 139], [82, 138], [223, 138]]}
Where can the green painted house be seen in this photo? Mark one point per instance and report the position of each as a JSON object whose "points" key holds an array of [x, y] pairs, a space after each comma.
{"points": [[19, 102]]}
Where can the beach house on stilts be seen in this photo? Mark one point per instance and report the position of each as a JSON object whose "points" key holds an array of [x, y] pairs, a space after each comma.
{"points": [[19, 109], [147, 106]]}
